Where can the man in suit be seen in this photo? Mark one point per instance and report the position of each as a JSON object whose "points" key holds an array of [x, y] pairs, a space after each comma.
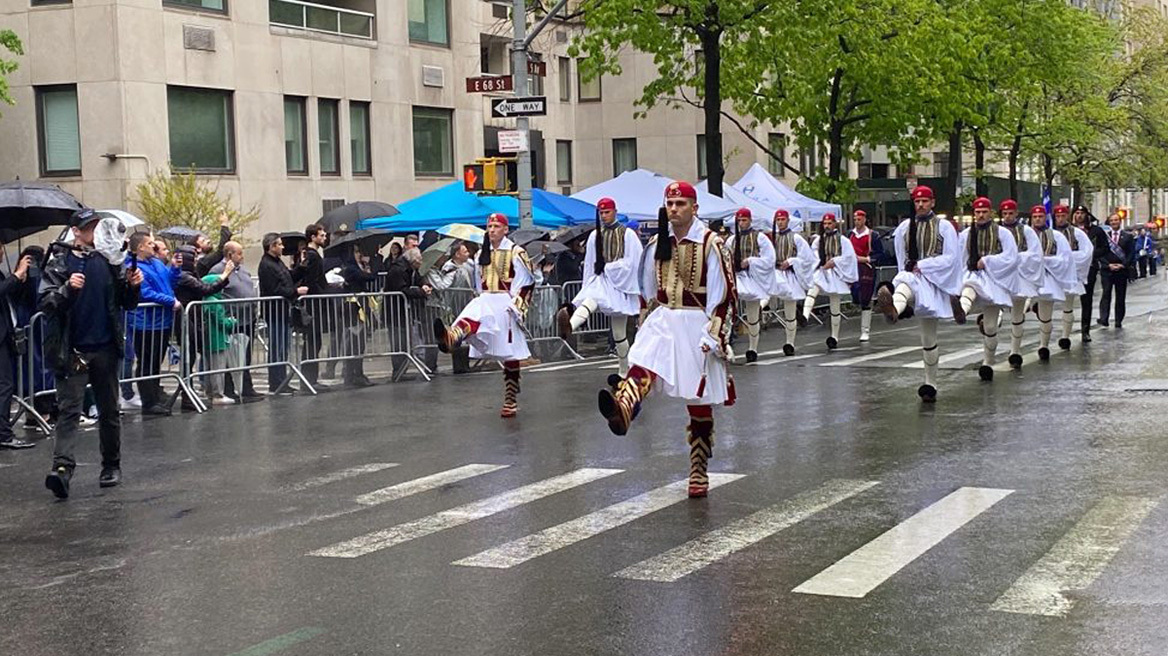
{"points": [[1083, 220], [311, 274], [1114, 267]]}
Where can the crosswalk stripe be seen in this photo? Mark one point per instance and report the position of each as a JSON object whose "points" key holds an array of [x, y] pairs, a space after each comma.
{"points": [[341, 475], [384, 539], [1077, 559], [793, 358], [864, 569], [870, 356], [425, 483], [571, 365], [1003, 350], [548, 540], [718, 544]]}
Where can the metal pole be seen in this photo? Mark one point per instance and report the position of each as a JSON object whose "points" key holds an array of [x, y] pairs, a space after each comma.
{"points": [[519, 71]]}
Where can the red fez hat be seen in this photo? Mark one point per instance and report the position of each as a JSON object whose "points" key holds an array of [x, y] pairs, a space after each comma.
{"points": [[782, 214], [681, 189], [1008, 204], [1062, 209], [742, 212], [1038, 209], [496, 217], [982, 203], [828, 215], [860, 213], [606, 204], [921, 191]]}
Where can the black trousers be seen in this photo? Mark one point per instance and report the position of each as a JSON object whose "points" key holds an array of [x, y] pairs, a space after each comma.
{"points": [[1087, 300], [102, 376], [7, 387], [1144, 267], [150, 347], [1151, 265], [1116, 280]]}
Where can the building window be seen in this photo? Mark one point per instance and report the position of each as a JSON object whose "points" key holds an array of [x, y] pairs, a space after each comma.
{"points": [[777, 143], [564, 162], [624, 155], [941, 164], [589, 91], [328, 136], [359, 139], [209, 5], [316, 17], [565, 79], [703, 170], [872, 171], [202, 136], [428, 22], [433, 141], [41, 3], [58, 134], [295, 135]]}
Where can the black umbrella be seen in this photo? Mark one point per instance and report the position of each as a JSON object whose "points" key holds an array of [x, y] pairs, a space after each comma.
{"points": [[574, 232], [28, 207], [346, 217], [292, 240], [548, 247], [370, 241], [180, 233], [527, 235]]}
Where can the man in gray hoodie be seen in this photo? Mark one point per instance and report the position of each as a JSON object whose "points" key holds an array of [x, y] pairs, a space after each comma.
{"points": [[241, 285]]}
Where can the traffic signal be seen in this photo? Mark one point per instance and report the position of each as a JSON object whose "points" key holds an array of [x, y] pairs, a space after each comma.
{"points": [[490, 176], [1160, 223], [1122, 212]]}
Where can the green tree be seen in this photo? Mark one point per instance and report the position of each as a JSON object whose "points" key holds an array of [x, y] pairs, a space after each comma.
{"points": [[10, 42], [686, 39], [179, 198]]}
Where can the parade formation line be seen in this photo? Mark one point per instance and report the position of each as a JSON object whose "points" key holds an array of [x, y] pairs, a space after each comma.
{"points": [[532, 546], [866, 568], [1077, 559], [470, 512]]}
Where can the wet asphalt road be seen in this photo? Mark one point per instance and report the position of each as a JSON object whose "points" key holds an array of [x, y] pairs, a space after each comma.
{"points": [[1025, 516]]}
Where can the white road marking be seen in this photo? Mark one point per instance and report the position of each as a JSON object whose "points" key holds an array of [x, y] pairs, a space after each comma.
{"points": [[572, 365], [426, 483], [977, 352], [870, 356], [384, 539], [793, 358], [1077, 559], [864, 569], [341, 475], [548, 540], [718, 544]]}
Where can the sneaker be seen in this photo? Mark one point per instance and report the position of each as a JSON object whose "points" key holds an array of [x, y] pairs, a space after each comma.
{"points": [[86, 421], [15, 443], [58, 481], [223, 400], [132, 403], [110, 477]]}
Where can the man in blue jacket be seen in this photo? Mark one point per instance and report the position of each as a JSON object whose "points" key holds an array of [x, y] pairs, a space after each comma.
{"points": [[151, 322]]}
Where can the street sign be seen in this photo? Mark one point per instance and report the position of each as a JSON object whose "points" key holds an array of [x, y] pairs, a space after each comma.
{"points": [[489, 84], [537, 68], [508, 107], [512, 141]]}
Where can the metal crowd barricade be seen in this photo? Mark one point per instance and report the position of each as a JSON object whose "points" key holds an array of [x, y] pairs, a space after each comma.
{"points": [[541, 317], [446, 305], [350, 328], [235, 337], [151, 357], [32, 377], [598, 322]]}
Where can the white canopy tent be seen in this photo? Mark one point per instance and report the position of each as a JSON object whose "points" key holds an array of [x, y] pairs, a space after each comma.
{"points": [[760, 185], [762, 213], [638, 194]]}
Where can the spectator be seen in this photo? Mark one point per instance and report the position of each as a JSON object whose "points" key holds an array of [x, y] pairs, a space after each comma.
{"points": [[208, 258], [152, 323], [1154, 260], [404, 276], [38, 378], [83, 296], [453, 269], [570, 264], [9, 290], [216, 332], [410, 241], [1144, 247], [276, 280], [190, 289], [312, 275], [240, 286], [357, 322], [395, 251]]}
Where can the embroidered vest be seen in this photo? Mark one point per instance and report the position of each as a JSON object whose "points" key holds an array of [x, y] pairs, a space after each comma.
{"points": [[1019, 232], [749, 247], [1069, 232], [983, 242], [497, 276], [681, 281], [1046, 239], [830, 245], [785, 246], [929, 240], [614, 242]]}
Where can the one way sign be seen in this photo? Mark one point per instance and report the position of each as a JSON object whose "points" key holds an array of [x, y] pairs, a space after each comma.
{"points": [[508, 107]]}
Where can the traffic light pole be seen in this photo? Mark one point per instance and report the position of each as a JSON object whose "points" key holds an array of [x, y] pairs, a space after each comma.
{"points": [[519, 71]]}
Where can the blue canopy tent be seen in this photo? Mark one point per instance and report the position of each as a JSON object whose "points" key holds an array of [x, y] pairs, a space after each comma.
{"points": [[452, 204]]}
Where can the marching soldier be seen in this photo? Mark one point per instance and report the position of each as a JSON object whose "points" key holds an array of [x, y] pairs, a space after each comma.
{"points": [[753, 259], [869, 250], [1030, 274], [493, 323], [929, 280], [684, 343], [835, 275], [1057, 267], [795, 264], [1082, 254], [990, 256], [611, 282]]}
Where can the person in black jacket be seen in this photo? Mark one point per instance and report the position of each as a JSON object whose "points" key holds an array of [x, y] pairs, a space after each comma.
{"points": [[404, 276], [570, 263], [9, 289], [311, 274], [355, 316], [1115, 266], [1083, 220], [276, 280], [206, 259], [84, 297], [188, 289]]}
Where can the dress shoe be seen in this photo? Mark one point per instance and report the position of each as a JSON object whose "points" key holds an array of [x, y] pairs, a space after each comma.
{"points": [[928, 393], [110, 477], [986, 373], [58, 481], [788, 349], [359, 381], [1064, 343], [751, 356], [832, 343], [157, 410], [1015, 361], [15, 443], [1044, 354], [1104, 323], [1086, 337]]}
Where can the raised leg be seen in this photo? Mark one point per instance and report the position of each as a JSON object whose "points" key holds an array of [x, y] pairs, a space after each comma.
{"points": [[621, 405], [809, 302], [968, 297]]}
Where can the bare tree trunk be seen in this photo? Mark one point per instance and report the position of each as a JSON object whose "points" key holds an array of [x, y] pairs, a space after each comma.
{"points": [[712, 106], [953, 174], [979, 150]]}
